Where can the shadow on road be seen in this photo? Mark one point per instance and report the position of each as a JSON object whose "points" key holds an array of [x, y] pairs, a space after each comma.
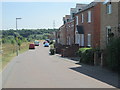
{"points": [[99, 73]]}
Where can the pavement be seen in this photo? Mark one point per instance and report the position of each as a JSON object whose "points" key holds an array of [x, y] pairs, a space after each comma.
{"points": [[37, 69]]}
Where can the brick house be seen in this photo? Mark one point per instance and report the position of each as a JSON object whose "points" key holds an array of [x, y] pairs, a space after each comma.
{"points": [[71, 24], [62, 33], [110, 21], [57, 37], [67, 35], [70, 32], [63, 30], [87, 26]]}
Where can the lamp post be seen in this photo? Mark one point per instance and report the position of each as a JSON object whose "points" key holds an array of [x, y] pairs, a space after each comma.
{"points": [[17, 37]]}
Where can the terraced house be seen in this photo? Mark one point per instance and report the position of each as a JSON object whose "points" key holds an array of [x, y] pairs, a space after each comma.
{"points": [[96, 23], [87, 26], [68, 29], [110, 22], [91, 25]]}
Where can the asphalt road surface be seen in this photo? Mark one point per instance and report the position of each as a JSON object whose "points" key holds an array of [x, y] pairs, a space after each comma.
{"points": [[37, 69]]}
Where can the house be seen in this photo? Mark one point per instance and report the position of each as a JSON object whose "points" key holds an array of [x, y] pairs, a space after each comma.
{"points": [[71, 24], [110, 22], [63, 39], [70, 32], [63, 30], [87, 26], [67, 35]]}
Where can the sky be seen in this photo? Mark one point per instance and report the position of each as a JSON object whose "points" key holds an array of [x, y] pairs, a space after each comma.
{"points": [[35, 15]]}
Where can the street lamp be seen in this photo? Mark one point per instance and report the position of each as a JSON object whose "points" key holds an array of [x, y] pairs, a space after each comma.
{"points": [[17, 37], [16, 22]]}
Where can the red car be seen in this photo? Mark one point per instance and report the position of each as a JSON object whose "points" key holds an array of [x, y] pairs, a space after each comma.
{"points": [[31, 46]]}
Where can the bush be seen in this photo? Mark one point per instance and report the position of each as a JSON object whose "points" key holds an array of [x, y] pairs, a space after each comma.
{"points": [[113, 54], [52, 49], [82, 50], [86, 55]]}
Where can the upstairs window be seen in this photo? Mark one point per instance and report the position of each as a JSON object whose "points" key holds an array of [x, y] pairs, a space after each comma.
{"points": [[73, 15], [89, 16], [109, 8], [76, 20], [82, 18]]}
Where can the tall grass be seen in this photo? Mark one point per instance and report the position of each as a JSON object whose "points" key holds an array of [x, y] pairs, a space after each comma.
{"points": [[9, 51]]}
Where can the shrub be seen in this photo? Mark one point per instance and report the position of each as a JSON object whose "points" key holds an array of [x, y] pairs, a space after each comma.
{"points": [[86, 55], [82, 50], [113, 54], [52, 49]]}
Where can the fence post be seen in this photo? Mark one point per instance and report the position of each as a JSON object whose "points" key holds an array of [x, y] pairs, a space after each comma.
{"points": [[101, 59], [95, 58]]}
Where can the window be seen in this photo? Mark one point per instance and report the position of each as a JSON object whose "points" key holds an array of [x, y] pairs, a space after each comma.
{"points": [[89, 40], [108, 33], [67, 20], [109, 9], [73, 15], [82, 18], [76, 20], [89, 16], [82, 39], [77, 39]]}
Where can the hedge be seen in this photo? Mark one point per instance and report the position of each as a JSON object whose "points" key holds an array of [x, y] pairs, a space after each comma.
{"points": [[113, 54]]}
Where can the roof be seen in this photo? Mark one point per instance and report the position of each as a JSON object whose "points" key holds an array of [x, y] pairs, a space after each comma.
{"points": [[80, 6], [67, 16], [92, 4]]}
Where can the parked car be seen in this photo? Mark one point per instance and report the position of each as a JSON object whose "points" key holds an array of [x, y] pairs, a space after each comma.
{"points": [[31, 46], [37, 43], [46, 45]]}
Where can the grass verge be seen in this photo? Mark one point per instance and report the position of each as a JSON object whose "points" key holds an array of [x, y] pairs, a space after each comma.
{"points": [[9, 52]]}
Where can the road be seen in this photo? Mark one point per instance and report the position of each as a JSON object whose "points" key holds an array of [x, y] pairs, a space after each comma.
{"points": [[37, 69]]}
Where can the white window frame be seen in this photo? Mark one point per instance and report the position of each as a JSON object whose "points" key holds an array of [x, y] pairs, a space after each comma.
{"points": [[78, 39], [75, 38], [82, 39], [89, 40], [76, 20], [109, 8], [89, 16], [82, 18]]}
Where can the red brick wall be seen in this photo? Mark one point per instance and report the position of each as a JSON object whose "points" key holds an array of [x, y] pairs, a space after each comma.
{"points": [[92, 28], [96, 33], [63, 39], [70, 32]]}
